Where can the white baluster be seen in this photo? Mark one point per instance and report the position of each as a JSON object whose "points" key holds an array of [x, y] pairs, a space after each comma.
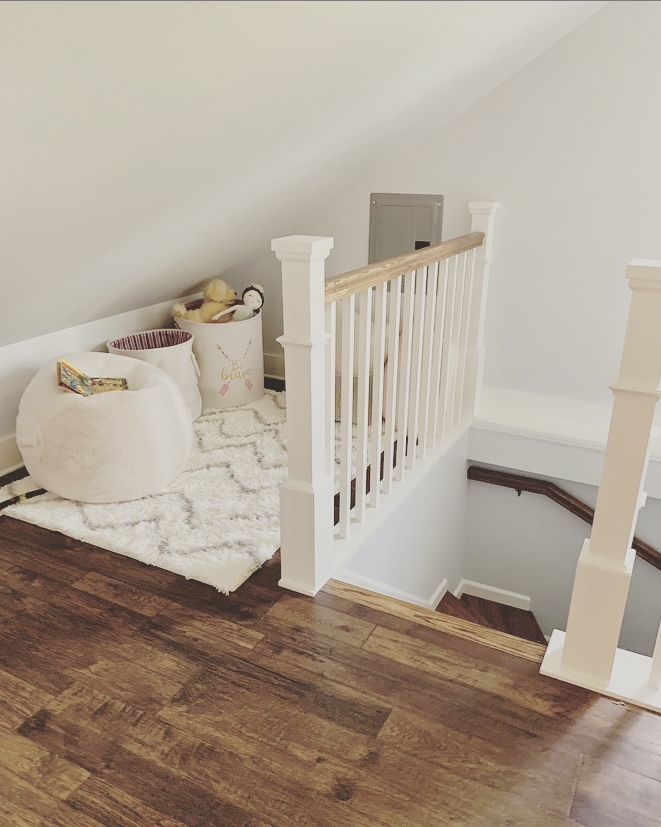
{"points": [[483, 219], [437, 350], [331, 331], [463, 338], [427, 359], [447, 366], [404, 374], [378, 373], [655, 671], [347, 309], [416, 365], [457, 314], [392, 374], [362, 415]]}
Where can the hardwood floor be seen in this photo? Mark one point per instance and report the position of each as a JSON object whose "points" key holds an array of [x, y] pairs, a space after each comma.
{"points": [[506, 618], [130, 697]]}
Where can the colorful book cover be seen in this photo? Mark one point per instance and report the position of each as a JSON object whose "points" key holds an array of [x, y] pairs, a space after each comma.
{"points": [[72, 379]]}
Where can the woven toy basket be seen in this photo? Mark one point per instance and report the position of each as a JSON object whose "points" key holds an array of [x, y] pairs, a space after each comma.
{"points": [[171, 351]]}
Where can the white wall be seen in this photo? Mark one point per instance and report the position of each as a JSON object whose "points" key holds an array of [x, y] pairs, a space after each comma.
{"points": [[569, 145], [530, 545], [147, 147], [420, 545]]}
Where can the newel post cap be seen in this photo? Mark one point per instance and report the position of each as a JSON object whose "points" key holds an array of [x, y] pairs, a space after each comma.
{"points": [[483, 207], [644, 274], [302, 247]]}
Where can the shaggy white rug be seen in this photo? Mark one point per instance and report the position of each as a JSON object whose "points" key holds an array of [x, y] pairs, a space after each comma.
{"points": [[217, 523]]}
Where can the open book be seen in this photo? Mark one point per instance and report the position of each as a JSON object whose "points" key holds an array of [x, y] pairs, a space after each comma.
{"points": [[73, 379]]}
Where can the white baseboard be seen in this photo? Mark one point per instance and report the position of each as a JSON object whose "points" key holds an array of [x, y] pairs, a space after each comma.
{"points": [[388, 591], [630, 678], [517, 601], [10, 456]]}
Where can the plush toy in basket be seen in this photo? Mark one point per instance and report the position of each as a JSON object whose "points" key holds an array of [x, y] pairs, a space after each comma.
{"points": [[228, 346], [252, 301], [218, 296]]}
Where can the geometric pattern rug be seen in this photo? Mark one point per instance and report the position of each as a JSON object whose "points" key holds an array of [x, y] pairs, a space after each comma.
{"points": [[218, 522]]}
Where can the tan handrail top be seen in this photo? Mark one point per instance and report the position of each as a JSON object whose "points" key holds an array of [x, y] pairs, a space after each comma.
{"points": [[353, 282]]}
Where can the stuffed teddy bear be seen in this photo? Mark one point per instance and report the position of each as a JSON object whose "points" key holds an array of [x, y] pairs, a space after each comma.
{"points": [[252, 301], [218, 296]]}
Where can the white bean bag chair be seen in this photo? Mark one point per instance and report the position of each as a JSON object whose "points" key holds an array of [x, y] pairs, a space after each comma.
{"points": [[109, 447]]}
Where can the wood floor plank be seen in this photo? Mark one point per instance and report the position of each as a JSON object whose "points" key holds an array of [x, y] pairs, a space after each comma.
{"points": [[27, 760], [610, 796], [435, 620], [205, 631], [451, 605], [542, 698], [110, 805], [70, 599], [515, 795], [166, 752], [123, 594], [24, 803], [145, 699], [136, 672], [297, 616], [510, 619], [154, 785], [332, 702], [18, 701]]}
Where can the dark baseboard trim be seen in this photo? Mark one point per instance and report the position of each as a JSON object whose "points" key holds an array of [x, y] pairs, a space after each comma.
{"points": [[272, 383]]}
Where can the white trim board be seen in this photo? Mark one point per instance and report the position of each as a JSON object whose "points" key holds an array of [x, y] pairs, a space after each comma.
{"points": [[274, 365], [629, 679], [517, 601], [388, 591], [10, 456], [549, 437]]}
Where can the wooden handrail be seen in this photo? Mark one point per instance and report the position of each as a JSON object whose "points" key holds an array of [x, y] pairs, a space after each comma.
{"points": [[353, 282], [558, 495]]}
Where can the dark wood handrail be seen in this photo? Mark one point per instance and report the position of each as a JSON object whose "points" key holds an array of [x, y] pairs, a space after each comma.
{"points": [[549, 489]]}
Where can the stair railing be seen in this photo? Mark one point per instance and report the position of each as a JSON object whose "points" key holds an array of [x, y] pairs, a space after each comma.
{"points": [[587, 653], [394, 352]]}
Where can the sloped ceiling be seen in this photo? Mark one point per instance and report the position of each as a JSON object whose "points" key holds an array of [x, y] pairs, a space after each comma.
{"points": [[148, 146]]}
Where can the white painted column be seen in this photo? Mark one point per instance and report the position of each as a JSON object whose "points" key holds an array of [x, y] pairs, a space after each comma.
{"points": [[306, 498], [655, 669], [483, 219], [589, 646]]}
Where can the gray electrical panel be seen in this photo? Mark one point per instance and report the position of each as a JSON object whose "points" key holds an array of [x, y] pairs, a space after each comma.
{"points": [[401, 223]]}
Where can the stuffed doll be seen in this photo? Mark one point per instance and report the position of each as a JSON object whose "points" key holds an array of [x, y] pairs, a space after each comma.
{"points": [[218, 296], [252, 301]]}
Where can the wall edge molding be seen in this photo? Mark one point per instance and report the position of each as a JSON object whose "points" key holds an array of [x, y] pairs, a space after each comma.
{"points": [[496, 595]]}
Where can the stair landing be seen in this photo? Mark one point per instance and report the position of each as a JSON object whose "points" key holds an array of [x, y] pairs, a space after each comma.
{"points": [[461, 627], [510, 619]]}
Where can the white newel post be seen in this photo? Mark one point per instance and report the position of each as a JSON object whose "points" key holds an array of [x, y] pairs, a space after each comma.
{"points": [[306, 498], [483, 218], [587, 653]]}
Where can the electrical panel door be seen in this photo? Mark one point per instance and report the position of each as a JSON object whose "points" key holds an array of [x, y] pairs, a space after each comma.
{"points": [[401, 223]]}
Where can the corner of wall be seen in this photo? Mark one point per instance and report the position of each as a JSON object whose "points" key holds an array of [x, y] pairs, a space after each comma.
{"points": [[10, 456]]}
